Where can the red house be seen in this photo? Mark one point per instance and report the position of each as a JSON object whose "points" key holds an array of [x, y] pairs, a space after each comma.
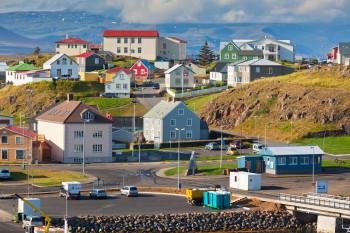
{"points": [[143, 69], [332, 56]]}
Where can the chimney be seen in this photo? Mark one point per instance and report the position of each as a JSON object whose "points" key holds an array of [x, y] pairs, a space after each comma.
{"points": [[67, 36], [69, 97]]}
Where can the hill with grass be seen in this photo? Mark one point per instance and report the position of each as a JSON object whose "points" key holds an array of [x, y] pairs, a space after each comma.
{"points": [[305, 103], [30, 99]]}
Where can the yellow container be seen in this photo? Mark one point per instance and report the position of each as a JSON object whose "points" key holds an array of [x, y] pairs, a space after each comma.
{"points": [[196, 194]]}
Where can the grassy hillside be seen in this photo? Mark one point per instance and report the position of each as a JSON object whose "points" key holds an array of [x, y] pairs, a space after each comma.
{"points": [[15, 100], [288, 107]]}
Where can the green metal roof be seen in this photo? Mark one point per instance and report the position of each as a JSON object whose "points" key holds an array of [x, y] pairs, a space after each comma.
{"points": [[22, 67]]}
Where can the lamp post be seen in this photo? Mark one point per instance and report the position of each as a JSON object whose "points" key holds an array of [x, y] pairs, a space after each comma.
{"points": [[178, 157], [313, 165], [221, 140]]}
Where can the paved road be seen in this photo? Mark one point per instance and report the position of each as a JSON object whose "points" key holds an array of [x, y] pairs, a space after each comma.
{"points": [[148, 97], [9, 227]]}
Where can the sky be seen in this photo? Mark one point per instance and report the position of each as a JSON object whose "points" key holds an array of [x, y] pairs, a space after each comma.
{"points": [[197, 11]]}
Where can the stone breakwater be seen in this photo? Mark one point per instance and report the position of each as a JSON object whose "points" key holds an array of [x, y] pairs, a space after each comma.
{"points": [[191, 222]]}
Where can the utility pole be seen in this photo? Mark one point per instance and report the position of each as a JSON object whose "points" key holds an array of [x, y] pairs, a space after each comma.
{"points": [[221, 139], [178, 157]]}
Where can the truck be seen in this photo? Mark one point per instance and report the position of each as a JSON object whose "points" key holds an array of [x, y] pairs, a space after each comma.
{"points": [[70, 190]]}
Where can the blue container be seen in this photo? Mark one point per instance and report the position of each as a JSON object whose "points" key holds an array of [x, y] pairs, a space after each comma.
{"points": [[217, 200]]}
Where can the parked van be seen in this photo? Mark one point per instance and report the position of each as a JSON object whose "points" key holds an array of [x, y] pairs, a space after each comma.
{"points": [[257, 147], [70, 190]]}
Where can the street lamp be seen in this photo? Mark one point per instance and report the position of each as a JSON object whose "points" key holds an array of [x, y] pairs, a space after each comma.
{"points": [[221, 139], [178, 157]]}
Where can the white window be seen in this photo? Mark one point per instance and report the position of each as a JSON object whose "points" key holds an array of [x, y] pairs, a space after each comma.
{"points": [[19, 154], [121, 76], [245, 58], [281, 161], [135, 71], [4, 154], [117, 85], [97, 134], [97, 61], [125, 86], [97, 147], [78, 134], [88, 115], [125, 40], [304, 160], [270, 70], [118, 49], [78, 148], [180, 111], [293, 161], [230, 47], [234, 56], [125, 49], [172, 122], [172, 135], [4, 139], [132, 40], [227, 56], [189, 122], [188, 134], [118, 40], [139, 40], [257, 69], [139, 50], [64, 61], [19, 140]]}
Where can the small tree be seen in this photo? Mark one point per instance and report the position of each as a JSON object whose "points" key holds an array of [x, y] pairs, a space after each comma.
{"points": [[36, 50], [206, 55]]}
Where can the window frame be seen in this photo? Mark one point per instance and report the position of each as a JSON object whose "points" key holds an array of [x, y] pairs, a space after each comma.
{"points": [[187, 133], [20, 140], [7, 139], [291, 161], [171, 121], [189, 119], [182, 110], [7, 154], [23, 155]]}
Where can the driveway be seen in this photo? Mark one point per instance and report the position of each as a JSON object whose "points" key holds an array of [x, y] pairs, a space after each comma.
{"points": [[148, 96]]}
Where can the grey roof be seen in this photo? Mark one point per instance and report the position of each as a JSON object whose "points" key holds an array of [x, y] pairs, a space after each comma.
{"points": [[220, 67], [162, 109], [344, 48], [168, 71], [259, 62], [56, 57], [292, 150]]}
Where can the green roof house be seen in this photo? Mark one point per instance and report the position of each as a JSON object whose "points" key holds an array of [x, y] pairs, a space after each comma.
{"points": [[231, 52], [26, 73], [23, 67]]}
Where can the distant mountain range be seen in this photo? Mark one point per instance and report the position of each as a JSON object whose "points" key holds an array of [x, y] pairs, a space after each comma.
{"points": [[46, 27]]}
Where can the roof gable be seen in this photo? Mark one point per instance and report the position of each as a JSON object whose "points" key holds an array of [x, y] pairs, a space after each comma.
{"points": [[220, 67], [21, 131], [235, 47], [175, 67], [55, 58], [144, 63]]}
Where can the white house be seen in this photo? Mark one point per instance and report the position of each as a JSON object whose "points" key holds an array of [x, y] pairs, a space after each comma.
{"points": [[171, 48], [219, 72], [26, 73], [74, 130], [62, 65], [179, 77], [118, 82]]}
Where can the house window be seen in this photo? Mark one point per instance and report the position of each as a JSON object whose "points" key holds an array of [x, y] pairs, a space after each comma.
{"points": [[245, 58], [59, 72], [70, 72], [118, 40], [58, 45], [109, 87], [97, 61], [121, 76], [97, 134], [188, 134], [118, 50], [230, 48], [19, 154], [139, 40], [189, 122], [177, 81], [4, 140], [132, 40], [235, 178], [180, 111], [76, 46], [172, 135], [186, 81], [132, 50], [88, 116], [64, 61], [4, 154], [125, 49], [293, 161], [58, 62], [78, 148], [227, 56], [18, 140], [234, 56], [97, 147], [84, 46], [125, 86], [281, 161], [125, 40], [304, 160], [78, 134], [142, 71], [270, 70], [69, 46], [172, 122], [117, 85], [257, 69], [139, 50]]}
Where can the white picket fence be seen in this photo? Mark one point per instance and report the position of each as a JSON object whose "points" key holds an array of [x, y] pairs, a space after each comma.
{"points": [[196, 92]]}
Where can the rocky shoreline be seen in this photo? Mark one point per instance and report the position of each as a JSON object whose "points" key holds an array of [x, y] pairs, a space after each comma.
{"points": [[259, 221]]}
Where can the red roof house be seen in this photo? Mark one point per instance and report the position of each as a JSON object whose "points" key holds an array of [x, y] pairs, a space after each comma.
{"points": [[130, 33], [142, 69]]}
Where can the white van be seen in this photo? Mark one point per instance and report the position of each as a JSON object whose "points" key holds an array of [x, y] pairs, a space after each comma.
{"points": [[70, 189], [257, 147]]}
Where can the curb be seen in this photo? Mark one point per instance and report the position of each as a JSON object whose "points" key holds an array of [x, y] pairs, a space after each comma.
{"points": [[160, 173]]}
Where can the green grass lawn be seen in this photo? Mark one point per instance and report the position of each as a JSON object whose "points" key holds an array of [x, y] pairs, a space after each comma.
{"points": [[332, 145], [47, 178], [107, 103], [208, 170], [344, 163], [198, 103]]}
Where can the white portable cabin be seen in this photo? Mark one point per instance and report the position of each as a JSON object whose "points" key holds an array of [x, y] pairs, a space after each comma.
{"points": [[245, 181], [72, 187], [26, 210]]}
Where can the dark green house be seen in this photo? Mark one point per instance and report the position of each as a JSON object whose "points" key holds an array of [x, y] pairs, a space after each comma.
{"points": [[230, 52]]}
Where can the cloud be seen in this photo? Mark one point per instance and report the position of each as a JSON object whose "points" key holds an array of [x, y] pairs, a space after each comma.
{"points": [[197, 11]]}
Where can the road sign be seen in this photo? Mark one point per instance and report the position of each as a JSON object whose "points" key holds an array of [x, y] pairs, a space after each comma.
{"points": [[321, 186]]}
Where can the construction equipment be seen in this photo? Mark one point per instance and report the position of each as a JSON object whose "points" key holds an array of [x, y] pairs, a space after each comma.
{"points": [[47, 218], [195, 196]]}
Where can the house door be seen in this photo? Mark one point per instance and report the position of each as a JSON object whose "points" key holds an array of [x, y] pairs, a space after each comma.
{"points": [[258, 167], [248, 165]]}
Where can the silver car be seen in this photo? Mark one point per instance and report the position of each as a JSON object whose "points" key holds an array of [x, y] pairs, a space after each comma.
{"points": [[129, 191]]}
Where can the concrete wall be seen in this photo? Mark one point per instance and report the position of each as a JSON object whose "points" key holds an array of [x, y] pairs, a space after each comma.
{"points": [[148, 47]]}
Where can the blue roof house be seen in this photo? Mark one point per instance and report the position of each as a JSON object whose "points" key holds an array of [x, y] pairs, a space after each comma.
{"points": [[292, 159]]}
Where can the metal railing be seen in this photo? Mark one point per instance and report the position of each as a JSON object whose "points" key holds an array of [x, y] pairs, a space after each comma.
{"points": [[316, 201]]}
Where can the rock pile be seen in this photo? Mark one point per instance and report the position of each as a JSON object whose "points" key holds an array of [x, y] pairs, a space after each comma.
{"points": [[190, 222]]}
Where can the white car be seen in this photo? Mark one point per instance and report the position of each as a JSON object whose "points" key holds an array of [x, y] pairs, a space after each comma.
{"points": [[257, 147], [129, 191], [5, 174]]}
